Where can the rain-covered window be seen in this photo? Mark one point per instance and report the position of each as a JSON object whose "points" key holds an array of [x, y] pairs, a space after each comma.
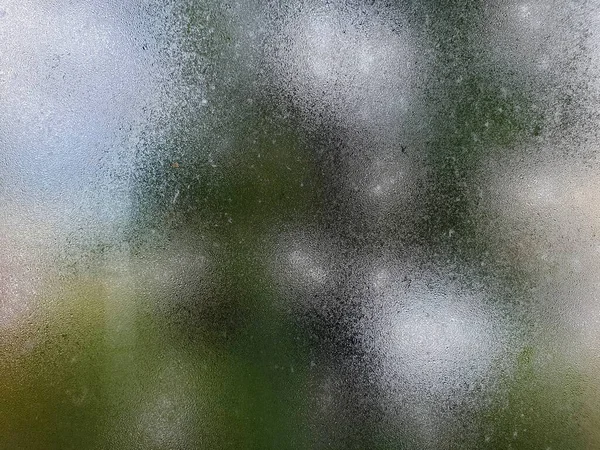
{"points": [[299, 225]]}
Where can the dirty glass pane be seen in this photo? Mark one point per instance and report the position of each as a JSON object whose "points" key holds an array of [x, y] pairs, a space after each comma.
{"points": [[299, 225]]}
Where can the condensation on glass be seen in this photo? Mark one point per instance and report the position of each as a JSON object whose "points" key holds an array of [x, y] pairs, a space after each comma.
{"points": [[303, 224]]}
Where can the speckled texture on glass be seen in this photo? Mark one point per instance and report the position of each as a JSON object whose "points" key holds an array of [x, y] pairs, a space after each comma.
{"points": [[299, 225]]}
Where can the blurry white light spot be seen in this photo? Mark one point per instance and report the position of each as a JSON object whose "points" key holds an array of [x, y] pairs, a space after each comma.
{"points": [[306, 267], [361, 74]]}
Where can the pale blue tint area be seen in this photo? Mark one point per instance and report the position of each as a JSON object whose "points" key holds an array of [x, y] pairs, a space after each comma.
{"points": [[299, 225]]}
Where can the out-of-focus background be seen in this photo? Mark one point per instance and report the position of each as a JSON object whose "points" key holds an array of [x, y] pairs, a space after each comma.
{"points": [[299, 225]]}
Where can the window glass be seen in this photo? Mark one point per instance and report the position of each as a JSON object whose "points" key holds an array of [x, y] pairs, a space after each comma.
{"points": [[299, 225]]}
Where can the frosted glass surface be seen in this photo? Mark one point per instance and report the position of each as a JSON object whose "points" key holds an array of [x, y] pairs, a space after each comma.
{"points": [[299, 225]]}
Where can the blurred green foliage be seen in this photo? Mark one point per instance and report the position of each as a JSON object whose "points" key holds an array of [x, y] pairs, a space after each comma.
{"points": [[240, 170]]}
